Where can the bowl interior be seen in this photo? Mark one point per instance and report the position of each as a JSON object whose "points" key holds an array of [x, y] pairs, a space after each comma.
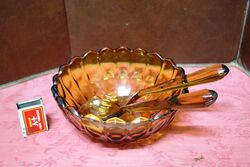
{"points": [[115, 75]]}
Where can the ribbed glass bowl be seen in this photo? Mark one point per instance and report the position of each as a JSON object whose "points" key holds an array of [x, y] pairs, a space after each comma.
{"points": [[115, 73]]}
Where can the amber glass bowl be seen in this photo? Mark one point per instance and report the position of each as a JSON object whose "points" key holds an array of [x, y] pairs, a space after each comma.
{"points": [[115, 74]]}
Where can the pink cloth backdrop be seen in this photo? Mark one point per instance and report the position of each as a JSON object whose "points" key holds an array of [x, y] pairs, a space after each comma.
{"points": [[214, 136]]}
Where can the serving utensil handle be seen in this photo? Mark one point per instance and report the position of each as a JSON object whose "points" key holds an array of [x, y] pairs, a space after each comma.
{"points": [[201, 98], [209, 74], [205, 75]]}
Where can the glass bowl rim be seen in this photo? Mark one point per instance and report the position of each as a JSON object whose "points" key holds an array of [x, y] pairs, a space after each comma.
{"points": [[66, 108]]}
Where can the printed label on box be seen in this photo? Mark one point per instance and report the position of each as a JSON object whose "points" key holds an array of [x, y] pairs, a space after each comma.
{"points": [[34, 120], [32, 116]]}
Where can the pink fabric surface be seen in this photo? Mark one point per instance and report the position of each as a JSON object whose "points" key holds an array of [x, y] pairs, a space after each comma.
{"points": [[214, 136]]}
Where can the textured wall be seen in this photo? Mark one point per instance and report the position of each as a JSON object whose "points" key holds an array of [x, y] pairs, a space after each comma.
{"points": [[33, 37], [40, 35], [245, 50], [190, 31]]}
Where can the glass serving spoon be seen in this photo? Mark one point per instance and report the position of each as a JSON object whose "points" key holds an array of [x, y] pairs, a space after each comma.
{"points": [[101, 107], [196, 99], [205, 75]]}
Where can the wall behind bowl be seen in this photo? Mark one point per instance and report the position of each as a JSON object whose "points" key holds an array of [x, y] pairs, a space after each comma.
{"points": [[244, 58], [33, 37], [39, 36], [190, 31]]}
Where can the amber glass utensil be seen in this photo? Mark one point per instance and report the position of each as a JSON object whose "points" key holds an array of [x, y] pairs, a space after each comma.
{"points": [[201, 98], [206, 75]]}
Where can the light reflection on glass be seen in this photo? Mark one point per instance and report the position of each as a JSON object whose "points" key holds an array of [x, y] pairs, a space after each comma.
{"points": [[123, 90]]}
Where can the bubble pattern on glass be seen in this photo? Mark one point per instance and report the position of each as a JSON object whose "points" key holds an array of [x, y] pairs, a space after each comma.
{"points": [[101, 73]]}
